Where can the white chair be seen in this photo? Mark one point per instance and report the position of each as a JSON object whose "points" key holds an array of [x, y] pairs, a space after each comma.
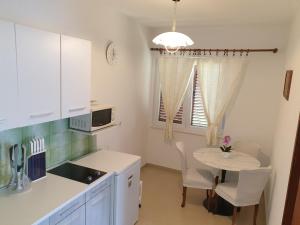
{"points": [[247, 147], [247, 191], [194, 178]]}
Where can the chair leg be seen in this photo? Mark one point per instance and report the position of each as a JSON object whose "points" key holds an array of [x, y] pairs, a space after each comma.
{"points": [[209, 198], [234, 215], [256, 207], [216, 202], [183, 196]]}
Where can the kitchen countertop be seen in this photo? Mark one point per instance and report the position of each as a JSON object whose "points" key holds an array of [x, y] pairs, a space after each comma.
{"points": [[51, 193], [109, 161], [44, 198]]}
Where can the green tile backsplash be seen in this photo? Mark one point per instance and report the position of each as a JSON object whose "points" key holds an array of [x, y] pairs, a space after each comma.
{"points": [[61, 144]]}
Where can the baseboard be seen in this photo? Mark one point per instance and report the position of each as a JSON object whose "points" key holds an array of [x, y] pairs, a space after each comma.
{"points": [[160, 167]]}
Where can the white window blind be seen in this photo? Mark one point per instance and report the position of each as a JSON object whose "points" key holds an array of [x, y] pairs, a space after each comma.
{"points": [[162, 115], [198, 115]]}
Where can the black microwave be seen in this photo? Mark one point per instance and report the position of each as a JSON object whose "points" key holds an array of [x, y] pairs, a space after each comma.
{"points": [[99, 118]]}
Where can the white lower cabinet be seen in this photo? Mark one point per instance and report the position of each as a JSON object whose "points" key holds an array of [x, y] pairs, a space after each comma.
{"points": [[95, 207], [98, 208], [75, 218], [44, 222]]}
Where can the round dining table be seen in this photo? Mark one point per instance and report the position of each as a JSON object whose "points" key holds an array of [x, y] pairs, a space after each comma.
{"points": [[234, 161]]}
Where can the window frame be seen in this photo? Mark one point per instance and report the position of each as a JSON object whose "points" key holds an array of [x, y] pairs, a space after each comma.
{"points": [[186, 126]]}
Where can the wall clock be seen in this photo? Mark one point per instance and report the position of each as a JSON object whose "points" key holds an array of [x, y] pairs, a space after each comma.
{"points": [[111, 53]]}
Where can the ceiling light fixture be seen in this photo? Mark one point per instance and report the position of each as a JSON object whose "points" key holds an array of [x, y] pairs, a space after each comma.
{"points": [[173, 40]]}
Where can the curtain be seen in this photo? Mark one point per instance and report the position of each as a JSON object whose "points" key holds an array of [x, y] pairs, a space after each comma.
{"points": [[220, 79], [175, 74]]}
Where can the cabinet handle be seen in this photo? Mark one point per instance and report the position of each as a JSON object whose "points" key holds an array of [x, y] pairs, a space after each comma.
{"points": [[77, 109], [41, 115], [99, 189], [71, 208]]}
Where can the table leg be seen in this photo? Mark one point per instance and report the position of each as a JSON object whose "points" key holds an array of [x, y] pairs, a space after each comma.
{"points": [[219, 205], [223, 176]]}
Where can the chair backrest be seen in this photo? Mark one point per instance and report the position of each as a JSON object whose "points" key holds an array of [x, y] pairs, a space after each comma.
{"points": [[247, 147], [251, 184], [182, 154]]}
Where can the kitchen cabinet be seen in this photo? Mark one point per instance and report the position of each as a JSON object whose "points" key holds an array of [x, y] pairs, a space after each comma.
{"points": [[127, 195], [75, 218], [44, 222], [38, 63], [98, 208], [8, 77], [75, 76]]}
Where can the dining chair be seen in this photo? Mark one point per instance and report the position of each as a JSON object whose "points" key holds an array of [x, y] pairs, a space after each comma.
{"points": [[247, 147], [247, 192], [194, 178]]}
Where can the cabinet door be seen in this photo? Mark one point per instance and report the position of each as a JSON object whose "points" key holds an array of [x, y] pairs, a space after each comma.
{"points": [[38, 60], [75, 76], [44, 222], [8, 77], [76, 218], [127, 196], [98, 208]]}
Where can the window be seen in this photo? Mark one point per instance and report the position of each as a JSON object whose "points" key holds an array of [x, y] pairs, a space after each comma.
{"points": [[198, 115], [191, 115], [162, 115]]}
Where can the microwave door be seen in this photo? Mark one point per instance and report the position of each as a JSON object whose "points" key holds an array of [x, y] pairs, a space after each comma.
{"points": [[101, 118]]}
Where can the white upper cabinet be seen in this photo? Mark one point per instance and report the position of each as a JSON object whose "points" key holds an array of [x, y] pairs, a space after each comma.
{"points": [[75, 76], [8, 77], [38, 60]]}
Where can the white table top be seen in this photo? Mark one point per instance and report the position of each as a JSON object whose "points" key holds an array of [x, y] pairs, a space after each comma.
{"points": [[237, 161]]}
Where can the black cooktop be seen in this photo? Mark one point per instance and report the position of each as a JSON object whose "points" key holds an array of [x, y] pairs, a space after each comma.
{"points": [[78, 173]]}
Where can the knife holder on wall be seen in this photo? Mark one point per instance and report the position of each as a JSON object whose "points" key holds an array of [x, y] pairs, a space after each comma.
{"points": [[37, 166]]}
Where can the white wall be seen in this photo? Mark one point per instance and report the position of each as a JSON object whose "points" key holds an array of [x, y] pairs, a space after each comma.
{"points": [[286, 131], [125, 84], [254, 114]]}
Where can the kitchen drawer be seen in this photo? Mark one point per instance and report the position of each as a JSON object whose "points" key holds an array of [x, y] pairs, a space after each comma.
{"points": [[97, 189], [67, 210]]}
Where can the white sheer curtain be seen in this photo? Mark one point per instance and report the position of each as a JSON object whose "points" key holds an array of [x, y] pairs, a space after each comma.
{"points": [[220, 79], [175, 74]]}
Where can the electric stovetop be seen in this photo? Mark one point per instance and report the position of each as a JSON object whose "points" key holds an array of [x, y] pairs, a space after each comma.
{"points": [[78, 173]]}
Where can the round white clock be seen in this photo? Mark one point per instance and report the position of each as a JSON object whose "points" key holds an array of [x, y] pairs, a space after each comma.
{"points": [[111, 53]]}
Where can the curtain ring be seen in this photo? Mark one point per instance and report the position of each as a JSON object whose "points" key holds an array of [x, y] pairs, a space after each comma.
{"points": [[247, 52], [209, 51], [204, 52], [217, 52], [233, 52], [241, 52]]}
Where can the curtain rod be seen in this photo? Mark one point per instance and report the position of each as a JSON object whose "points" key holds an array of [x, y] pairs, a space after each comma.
{"points": [[207, 51]]}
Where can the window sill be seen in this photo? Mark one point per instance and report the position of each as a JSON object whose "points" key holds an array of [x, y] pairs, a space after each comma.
{"points": [[180, 129]]}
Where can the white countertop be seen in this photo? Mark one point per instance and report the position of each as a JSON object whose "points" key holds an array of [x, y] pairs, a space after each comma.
{"points": [[50, 194], [109, 161], [44, 196]]}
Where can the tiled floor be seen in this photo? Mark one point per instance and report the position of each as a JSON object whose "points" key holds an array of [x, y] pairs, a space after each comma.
{"points": [[162, 199]]}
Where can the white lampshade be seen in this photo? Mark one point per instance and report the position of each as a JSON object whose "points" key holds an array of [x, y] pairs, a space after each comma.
{"points": [[173, 40]]}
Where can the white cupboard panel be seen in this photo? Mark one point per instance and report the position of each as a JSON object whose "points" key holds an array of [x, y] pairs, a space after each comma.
{"points": [[76, 218], [75, 76], [98, 208], [38, 60], [127, 196], [8, 77]]}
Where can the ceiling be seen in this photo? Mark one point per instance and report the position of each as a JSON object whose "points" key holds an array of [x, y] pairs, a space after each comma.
{"points": [[156, 13]]}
